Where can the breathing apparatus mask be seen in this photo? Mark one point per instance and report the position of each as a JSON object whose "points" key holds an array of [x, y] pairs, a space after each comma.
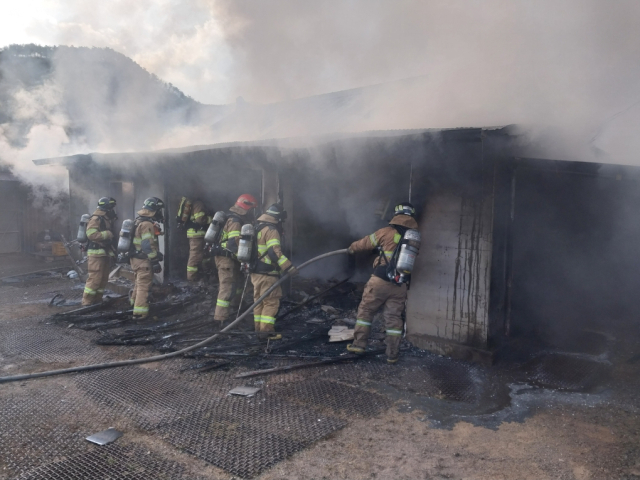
{"points": [[111, 214]]}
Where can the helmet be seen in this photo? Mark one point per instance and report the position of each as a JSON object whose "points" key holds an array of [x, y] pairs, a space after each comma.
{"points": [[106, 203], [153, 203], [277, 211], [405, 208], [246, 202]]}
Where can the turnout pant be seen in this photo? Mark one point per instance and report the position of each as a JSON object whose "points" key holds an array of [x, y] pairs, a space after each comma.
{"points": [[264, 314], [196, 254], [144, 279], [379, 293], [230, 288], [99, 269]]}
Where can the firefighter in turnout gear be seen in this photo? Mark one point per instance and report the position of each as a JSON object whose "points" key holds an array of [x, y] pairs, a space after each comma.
{"points": [[100, 253], [145, 261], [197, 226], [380, 290], [229, 275], [270, 263]]}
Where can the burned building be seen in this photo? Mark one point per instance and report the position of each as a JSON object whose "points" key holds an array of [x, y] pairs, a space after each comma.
{"points": [[30, 217], [511, 245]]}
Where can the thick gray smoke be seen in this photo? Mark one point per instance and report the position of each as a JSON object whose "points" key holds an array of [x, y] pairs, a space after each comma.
{"points": [[570, 65]]}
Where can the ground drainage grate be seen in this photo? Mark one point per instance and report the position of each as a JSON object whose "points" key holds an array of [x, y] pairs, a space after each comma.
{"points": [[566, 372], [245, 436], [113, 462], [338, 397]]}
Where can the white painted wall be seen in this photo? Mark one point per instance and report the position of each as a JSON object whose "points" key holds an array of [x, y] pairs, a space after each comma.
{"points": [[449, 296]]}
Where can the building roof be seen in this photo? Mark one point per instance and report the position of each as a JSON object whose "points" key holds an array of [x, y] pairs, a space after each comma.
{"points": [[291, 143]]}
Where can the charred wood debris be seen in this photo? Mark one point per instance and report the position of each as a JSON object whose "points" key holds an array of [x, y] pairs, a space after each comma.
{"points": [[184, 318]]}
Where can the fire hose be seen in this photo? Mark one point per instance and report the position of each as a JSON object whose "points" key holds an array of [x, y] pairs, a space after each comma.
{"points": [[157, 358]]}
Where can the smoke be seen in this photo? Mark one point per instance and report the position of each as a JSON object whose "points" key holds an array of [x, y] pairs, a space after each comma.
{"points": [[563, 67], [63, 101], [569, 64]]}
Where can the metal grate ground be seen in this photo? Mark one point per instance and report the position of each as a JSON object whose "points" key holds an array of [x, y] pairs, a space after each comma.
{"points": [[47, 343], [148, 396], [445, 380], [192, 412], [244, 436], [566, 372], [112, 462], [42, 425], [332, 396]]}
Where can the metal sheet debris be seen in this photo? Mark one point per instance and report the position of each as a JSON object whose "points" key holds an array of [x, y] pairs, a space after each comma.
{"points": [[244, 391], [315, 320], [340, 333], [105, 437]]}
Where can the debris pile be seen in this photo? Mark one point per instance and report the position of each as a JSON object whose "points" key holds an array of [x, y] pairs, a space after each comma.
{"points": [[315, 319]]}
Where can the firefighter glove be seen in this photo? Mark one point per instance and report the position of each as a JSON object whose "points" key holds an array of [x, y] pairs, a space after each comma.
{"points": [[157, 268], [293, 271]]}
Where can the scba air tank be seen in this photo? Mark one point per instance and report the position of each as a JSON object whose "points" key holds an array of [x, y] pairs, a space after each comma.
{"points": [[82, 229], [408, 252], [245, 246], [126, 234], [213, 232]]}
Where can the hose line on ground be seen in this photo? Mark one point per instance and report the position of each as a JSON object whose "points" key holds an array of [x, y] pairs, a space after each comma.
{"points": [[157, 358]]}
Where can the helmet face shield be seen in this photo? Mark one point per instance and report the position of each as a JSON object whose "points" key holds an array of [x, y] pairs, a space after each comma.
{"points": [[106, 204], [277, 211], [405, 208], [153, 203], [112, 214]]}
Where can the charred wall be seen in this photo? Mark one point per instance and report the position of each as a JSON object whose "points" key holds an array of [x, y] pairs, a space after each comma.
{"points": [[575, 258]]}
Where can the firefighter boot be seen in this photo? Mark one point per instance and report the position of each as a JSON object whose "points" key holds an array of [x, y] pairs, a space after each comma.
{"points": [[354, 349]]}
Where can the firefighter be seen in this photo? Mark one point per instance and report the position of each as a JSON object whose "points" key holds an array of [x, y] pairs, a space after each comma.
{"points": [[147, 257], [100, 254], [380, 290], [270, 264], [199, 220], [229, 276]]}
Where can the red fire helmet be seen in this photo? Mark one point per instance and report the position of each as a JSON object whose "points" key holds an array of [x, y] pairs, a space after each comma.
{"points": [[246, 202]]}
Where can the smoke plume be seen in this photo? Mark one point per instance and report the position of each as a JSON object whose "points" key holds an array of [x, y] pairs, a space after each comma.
{"points": [[567, 67], [570, 65]]}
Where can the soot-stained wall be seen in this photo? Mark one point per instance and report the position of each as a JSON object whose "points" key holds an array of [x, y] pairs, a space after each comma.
{"points": [[575, 262], [448, 303], [218, 178]]}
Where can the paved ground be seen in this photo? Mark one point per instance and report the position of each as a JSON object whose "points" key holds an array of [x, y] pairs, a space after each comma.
{"points": [[427, 417]]}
